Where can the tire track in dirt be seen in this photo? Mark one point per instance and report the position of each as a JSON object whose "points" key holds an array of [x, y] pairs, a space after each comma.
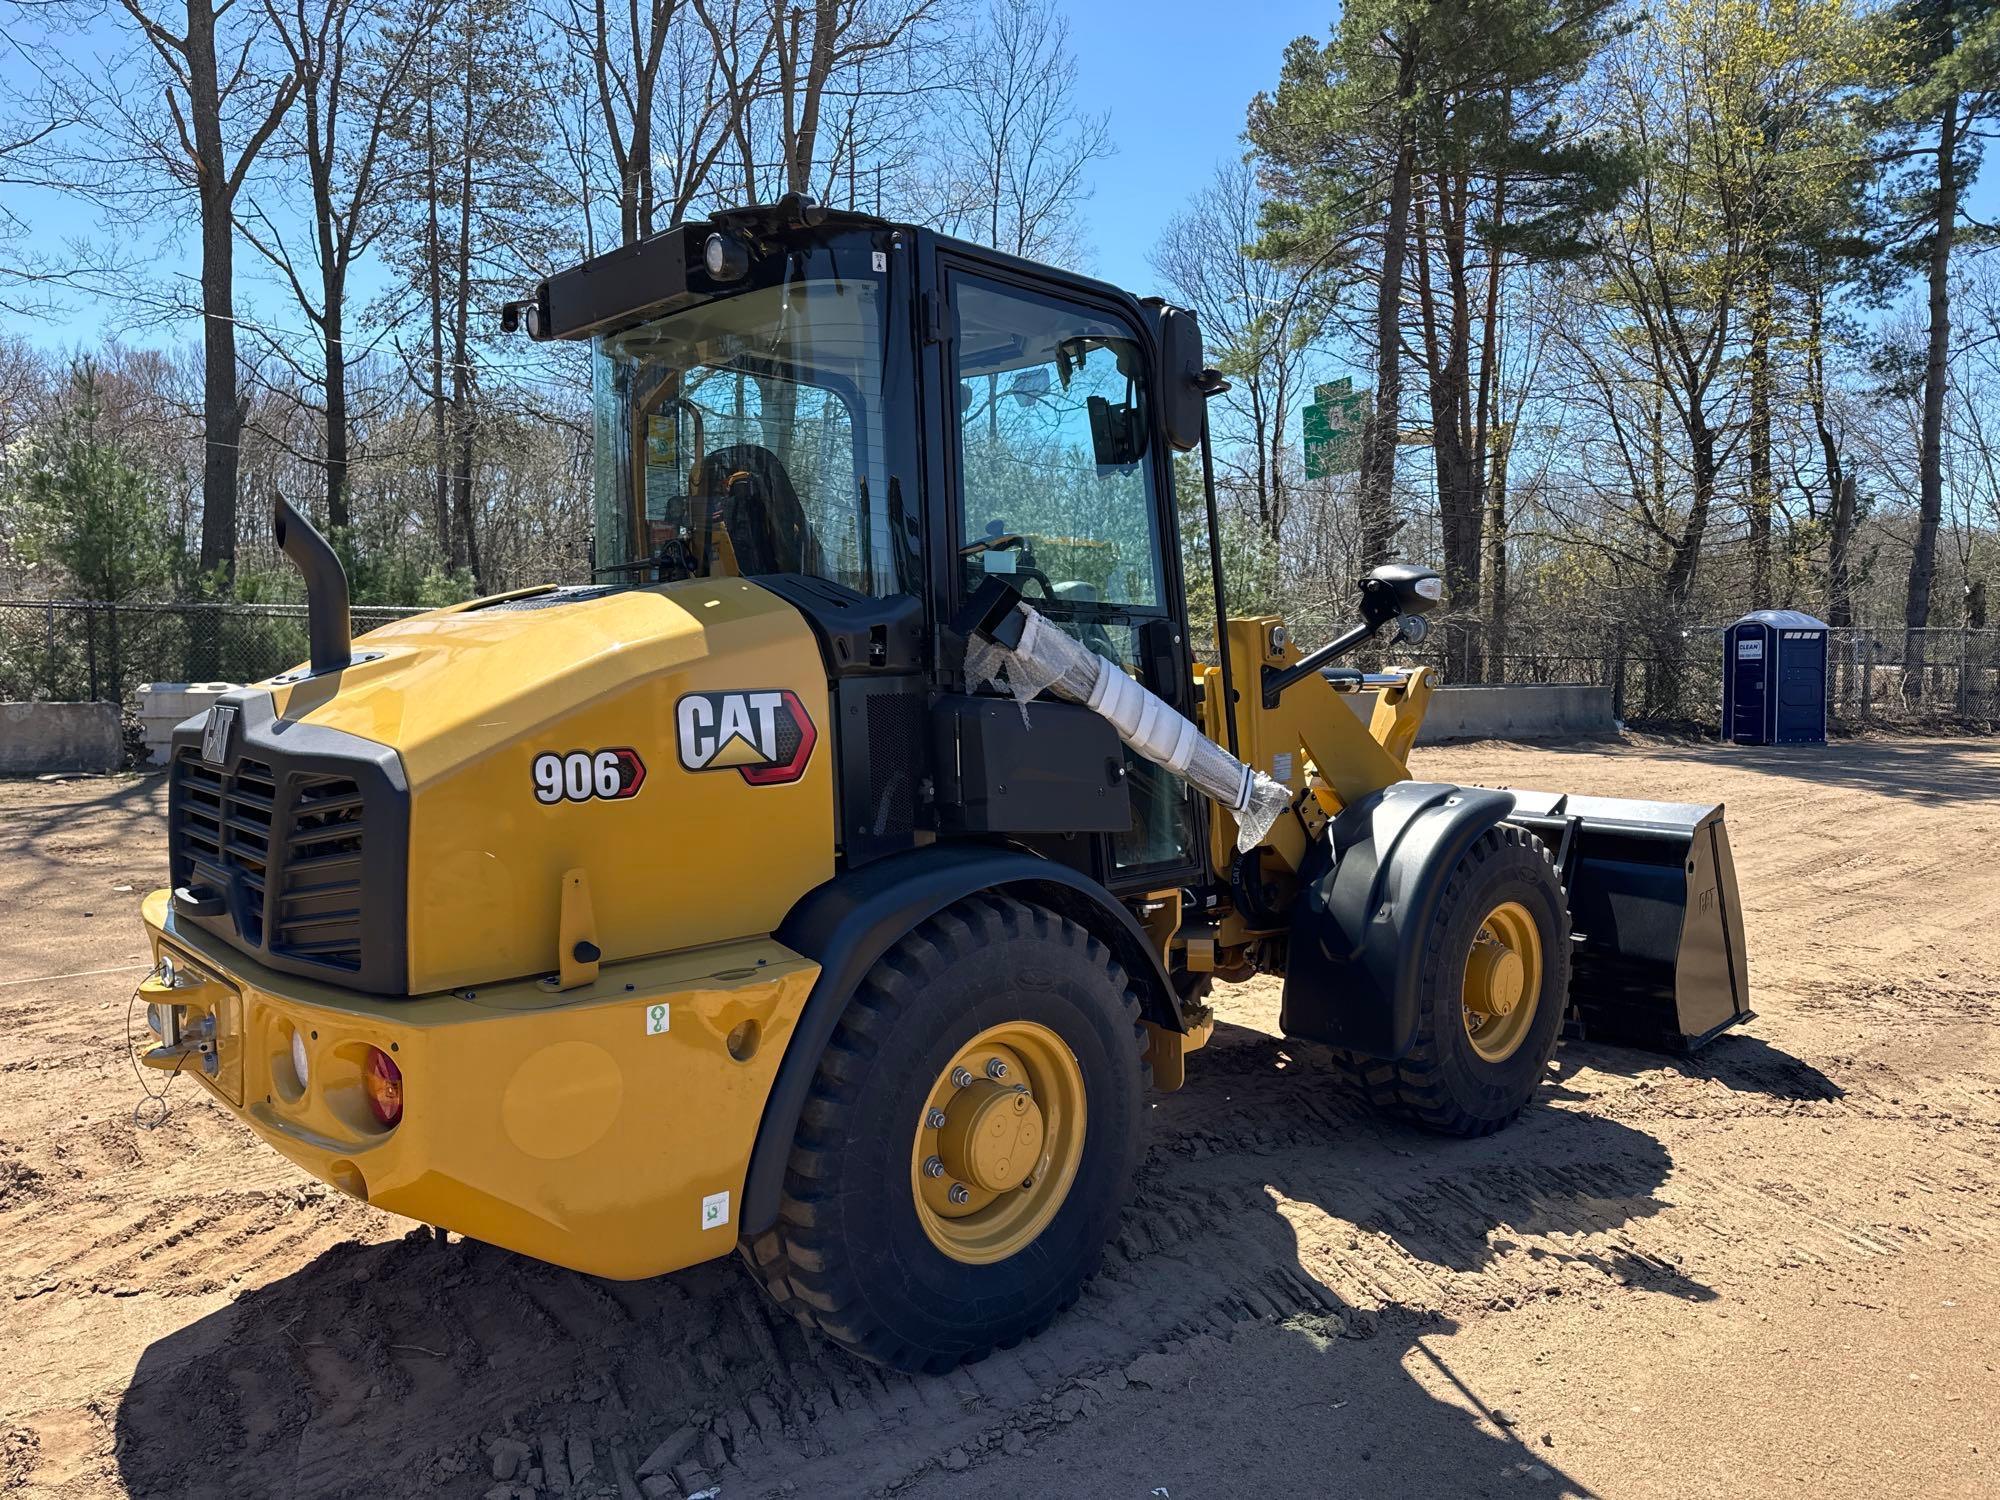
{"points": [[313, 1354], [1346, 1224]]}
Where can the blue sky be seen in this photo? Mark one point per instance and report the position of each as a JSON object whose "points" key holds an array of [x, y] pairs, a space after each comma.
{"points": [[1175, 75], [1144, 64]]}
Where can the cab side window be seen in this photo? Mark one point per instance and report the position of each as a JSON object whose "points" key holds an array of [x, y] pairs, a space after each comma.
{"points": [[1057, 480]]}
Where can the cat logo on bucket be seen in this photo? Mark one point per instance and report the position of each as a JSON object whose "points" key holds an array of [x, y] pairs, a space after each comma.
{"points": [[764, 735]]}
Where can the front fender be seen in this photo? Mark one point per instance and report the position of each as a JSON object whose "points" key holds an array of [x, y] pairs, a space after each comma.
{"points": [[1367, 894], [849, 922]]}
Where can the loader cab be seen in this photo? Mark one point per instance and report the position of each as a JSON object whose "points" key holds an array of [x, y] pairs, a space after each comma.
{"points": [[871, 419]]}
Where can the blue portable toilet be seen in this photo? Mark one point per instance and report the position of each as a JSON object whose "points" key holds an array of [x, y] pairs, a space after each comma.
{"points": [[1774, 679]]}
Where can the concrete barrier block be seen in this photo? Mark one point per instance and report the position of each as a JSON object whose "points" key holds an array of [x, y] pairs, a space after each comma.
{"points": [[164, 706], [1517, 711], [36, 738]]}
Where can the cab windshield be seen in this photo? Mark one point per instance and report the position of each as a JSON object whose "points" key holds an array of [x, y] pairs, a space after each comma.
{"points": [[745, 436]]}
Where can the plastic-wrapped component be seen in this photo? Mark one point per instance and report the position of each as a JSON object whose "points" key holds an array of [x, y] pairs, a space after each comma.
{"points": [[1047, 658]]}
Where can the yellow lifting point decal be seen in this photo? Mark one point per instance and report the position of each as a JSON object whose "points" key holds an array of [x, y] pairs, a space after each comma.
{"points": [[658, 1015]]}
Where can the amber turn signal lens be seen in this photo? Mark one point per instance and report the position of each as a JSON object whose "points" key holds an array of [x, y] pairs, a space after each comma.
{"points": [[384, 1082]]}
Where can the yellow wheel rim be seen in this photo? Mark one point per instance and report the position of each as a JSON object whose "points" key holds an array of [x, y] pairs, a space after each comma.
{"points": [[1503, 981], [998, 1141]]}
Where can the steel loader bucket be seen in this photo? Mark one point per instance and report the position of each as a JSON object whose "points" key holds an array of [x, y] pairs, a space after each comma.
{"points": [[1659, 959]]}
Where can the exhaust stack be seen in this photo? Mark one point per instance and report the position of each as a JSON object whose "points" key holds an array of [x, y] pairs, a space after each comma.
{"points": [[327, 620]]}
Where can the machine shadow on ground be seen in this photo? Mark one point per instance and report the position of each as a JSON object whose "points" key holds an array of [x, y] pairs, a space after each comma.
{"points": [[386, 1368], [1737, 1060]]}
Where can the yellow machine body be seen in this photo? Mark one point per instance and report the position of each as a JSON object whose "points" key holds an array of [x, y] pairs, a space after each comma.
{"points": [[594, 1106], [606, 1128], [469, 698], [1313, 740]]}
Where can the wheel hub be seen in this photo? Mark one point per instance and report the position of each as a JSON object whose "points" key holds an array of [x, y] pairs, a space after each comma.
{"points": [[1494, 976], [1501, 987], [992, 1135], [998, 1141]]}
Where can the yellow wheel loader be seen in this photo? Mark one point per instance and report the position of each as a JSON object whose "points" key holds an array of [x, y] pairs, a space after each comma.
{"points": [[832, 877]]}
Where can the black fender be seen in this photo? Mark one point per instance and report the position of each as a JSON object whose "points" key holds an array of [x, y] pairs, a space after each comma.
{"points": [[849, 922], [1368, 892]]}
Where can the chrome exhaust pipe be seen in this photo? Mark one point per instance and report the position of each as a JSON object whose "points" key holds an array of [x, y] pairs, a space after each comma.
{"points": [[327, 621]]}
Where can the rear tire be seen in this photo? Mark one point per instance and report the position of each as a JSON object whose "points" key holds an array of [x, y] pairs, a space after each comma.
{"points": [[1505, 883], [856, 1252]]}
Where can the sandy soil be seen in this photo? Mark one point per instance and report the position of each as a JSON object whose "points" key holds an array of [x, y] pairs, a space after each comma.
{"points": [[1769, 1270]]}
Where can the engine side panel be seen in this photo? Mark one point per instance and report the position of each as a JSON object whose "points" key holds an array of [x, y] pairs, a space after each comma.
{"points": [[713, 816]]}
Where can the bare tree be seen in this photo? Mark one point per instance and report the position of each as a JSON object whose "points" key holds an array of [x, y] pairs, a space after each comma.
{"points": [[831, 47], [215, 94], [473, 223], [1013, 153], [1259, 319], [668, 83], [353, 68]]}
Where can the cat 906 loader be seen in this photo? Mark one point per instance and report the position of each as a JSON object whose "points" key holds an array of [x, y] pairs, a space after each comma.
{"points": [[831, 878]]}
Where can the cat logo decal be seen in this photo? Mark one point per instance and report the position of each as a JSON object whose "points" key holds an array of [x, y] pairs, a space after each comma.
{"points": [[764, 736]]}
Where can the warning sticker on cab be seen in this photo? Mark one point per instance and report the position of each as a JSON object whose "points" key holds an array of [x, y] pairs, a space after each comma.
{"points": [[766, 736]]}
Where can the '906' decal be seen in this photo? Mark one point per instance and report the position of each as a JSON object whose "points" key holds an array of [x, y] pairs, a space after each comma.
{"points": [[587, 775]]}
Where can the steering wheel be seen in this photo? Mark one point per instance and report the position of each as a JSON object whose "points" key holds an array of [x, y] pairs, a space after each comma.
{"points": [[1008, 541]]}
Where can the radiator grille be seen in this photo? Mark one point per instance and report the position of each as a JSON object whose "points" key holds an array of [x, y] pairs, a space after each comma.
{"points": [[224, 819], [282, 849], [318, 916]]}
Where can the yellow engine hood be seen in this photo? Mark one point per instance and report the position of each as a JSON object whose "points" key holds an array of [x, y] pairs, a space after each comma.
{"points": [[458, 683], [471, 697]]}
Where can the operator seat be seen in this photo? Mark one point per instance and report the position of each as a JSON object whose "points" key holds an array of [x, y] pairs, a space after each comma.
{"points": [[751, 494]]}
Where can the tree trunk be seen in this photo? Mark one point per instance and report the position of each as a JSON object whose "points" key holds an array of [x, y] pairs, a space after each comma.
{"points": [[1379, 434], [434, 273], [464, 539], [335, 382], [222, 411], [1840, 541], [1759, 437], [1496, 558], [1930, 456]]}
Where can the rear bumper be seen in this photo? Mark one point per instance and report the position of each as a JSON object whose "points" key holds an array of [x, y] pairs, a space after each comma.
{"points": [[607, 1129]]}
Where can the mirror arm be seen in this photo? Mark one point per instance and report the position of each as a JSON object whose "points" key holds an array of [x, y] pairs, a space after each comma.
{"points": [[1277, 679]]}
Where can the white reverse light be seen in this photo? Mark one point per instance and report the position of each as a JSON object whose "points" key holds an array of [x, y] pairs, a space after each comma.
{"points": [[300, 1063]]}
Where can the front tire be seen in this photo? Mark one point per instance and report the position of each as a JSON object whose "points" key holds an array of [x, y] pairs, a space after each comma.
{"points": [[968, 1142], [1494, 986]]}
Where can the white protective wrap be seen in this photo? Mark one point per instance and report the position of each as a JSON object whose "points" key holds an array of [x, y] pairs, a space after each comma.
{"points": [[1047, 658]]}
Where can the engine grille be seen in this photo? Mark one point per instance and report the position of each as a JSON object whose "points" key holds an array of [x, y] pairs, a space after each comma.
{"points": [[318, 912], [283, 850], [223, 819]]}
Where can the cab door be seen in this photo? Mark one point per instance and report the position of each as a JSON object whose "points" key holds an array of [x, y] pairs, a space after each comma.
{"points": [[1057, 478]]}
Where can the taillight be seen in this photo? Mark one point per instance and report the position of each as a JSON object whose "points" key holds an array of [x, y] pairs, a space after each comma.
{"points": [[383, 1081]]}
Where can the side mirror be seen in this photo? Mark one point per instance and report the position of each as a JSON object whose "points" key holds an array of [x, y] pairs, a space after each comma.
{"points": [[1182, 402], [1396, 589]]}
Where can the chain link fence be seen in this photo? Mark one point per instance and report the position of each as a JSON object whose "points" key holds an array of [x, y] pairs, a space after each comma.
{"points": [[67, 650], [79, 651]]}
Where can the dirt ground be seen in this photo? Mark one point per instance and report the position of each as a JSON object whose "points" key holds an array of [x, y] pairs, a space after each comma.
{"points": [[1767, 1271]]}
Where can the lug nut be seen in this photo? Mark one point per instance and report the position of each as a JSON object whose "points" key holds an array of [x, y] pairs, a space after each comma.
{"points": [[933, 1167], [935, 1120], [960, 1078], [996, 1069], [958, 1194]]}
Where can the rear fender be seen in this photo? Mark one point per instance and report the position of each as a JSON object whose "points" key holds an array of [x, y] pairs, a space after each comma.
{"points": [[848, 923], [1367, 894]]}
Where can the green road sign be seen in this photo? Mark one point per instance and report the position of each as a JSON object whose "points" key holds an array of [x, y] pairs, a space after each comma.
{"points": [[1333, 429]]}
